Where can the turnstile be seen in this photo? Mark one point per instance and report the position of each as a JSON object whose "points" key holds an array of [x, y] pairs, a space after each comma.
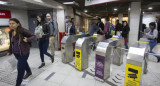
{"points": [[136, 64], [117, 51], [67, 47], [103, 59], [82, 50]]}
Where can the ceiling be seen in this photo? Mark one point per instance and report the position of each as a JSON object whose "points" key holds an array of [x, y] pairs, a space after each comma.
{"points": [[19, 4], [107, 9]]}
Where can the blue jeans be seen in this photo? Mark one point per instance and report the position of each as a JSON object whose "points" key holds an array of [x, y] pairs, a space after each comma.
{"points": [[43, 46], [22, 66], [152, 44]]}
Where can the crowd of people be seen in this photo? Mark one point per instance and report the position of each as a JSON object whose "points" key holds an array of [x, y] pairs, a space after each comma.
{"points": [[46, 34]]}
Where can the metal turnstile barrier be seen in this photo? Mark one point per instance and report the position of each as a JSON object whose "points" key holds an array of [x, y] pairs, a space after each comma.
{"points": [[103, 59], [118, 52], [136, 64], [67, 47], [82, 50]]}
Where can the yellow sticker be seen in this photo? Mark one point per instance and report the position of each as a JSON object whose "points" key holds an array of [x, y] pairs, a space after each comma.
{"points": [[114, 38], [142, 42], [78, 59], [133, 75]]}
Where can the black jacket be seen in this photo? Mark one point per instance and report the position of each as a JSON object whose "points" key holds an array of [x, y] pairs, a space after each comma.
{"points": [[125, 31], [158, 26], [118, 28], [46, 31], [101, 25], [72, 30]]}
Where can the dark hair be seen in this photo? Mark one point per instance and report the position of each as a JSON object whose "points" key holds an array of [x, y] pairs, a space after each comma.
{"points": [[42, 16], [99, 19], [107, 18], [19, 28], [153, 24], [70, 21], [117, 20]]}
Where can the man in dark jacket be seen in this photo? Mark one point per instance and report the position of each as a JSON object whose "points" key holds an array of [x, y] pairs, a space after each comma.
{"points": [[101, 26], [70, 29], [158, 28], [53, 30], [118, 27]]}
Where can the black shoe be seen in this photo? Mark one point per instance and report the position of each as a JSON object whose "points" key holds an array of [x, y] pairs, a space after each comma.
{"points": [[43, 64], [27, 75], [158, 60], [52, 59]]}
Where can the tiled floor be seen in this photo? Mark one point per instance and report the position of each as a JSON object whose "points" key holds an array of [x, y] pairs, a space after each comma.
{"points": [[65, 75]]}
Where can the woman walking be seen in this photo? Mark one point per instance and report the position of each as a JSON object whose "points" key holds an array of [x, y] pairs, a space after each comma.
{"points": [[20, 43], [42, 35]]}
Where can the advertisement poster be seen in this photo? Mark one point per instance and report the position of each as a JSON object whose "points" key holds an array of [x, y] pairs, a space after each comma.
{"points": [[99, 70], [78, 59]]}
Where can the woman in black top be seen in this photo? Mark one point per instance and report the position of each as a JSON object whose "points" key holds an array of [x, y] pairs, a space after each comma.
{"points": [[125, 32]]}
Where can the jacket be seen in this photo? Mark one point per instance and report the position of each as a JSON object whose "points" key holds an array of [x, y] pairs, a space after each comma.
{"points": [[23, 46], [118, 27], [72, 30], [125, 31], [100, 25], [52, 25]]}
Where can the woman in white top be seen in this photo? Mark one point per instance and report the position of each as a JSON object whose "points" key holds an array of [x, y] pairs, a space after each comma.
{"points": [[42, 35], [152, 36]]}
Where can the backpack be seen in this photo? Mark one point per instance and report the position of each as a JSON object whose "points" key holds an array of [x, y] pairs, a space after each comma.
{"points": [[111, 32]]}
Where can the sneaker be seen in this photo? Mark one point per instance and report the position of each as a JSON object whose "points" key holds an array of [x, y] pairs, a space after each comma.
{"points": [[158, 60], [27, 75], [43, 64], [52, 59]]}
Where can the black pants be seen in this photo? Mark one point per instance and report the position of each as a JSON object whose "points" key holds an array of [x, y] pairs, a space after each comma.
{"points": [[158, 39], [22, 66]]}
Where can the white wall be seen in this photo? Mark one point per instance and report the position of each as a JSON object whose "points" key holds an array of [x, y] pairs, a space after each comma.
{"points": [[21, 15], [60, 20], [149, 17], [69, 11]]}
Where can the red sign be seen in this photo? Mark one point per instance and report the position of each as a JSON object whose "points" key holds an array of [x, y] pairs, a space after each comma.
{"points": [[5, 14]]}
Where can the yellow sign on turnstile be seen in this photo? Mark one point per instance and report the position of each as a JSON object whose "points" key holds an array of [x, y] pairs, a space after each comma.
{"points": [[78, 59], [133, 75]]}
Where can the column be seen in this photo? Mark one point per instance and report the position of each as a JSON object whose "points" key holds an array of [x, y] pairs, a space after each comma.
{"points": [[134, 16], [120, 17]]}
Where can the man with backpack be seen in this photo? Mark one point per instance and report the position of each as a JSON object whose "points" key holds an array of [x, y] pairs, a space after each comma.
{"points": [[109, 30], [53, 30]]}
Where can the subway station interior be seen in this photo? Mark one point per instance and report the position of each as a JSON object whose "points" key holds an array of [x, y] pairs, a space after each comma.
{"points": [[79, 42]]}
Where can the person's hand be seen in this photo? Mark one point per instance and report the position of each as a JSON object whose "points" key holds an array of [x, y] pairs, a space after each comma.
{"points": [[25, 39], [39, 36], [52, 37], [8, 54], [66, 33]]}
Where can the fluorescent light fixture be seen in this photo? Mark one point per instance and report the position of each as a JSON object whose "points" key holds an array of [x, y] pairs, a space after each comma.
{"points": [[85, 11], [129, 9], [115, 9], [150, 8], [40, 1], [2, 2], [68, 2]]}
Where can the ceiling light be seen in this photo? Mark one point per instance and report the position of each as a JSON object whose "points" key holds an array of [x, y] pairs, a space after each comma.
{"points": [[150, 8], [143, 12], [68, 2], [115, 9], [2, 2], [40, 1], [129, 9], [85, 11]]}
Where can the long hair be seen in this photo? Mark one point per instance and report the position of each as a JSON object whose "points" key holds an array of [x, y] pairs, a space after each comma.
{"points": [[19, 28], [42, 16]]}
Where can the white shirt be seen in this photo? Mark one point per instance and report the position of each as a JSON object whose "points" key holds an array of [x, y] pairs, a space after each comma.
{"points": [[69, 27], [152, 35]]}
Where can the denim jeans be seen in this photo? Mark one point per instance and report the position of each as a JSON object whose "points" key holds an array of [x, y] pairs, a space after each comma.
{"points": [[43, 46], [22, 66], [152, 44]]}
